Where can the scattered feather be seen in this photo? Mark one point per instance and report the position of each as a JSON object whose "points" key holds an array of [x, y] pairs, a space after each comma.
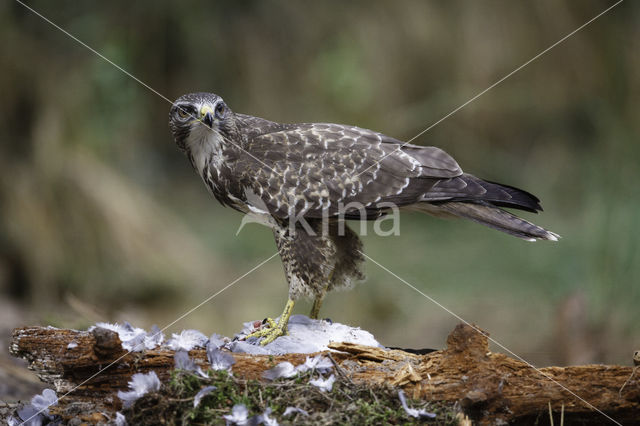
{"points": [[308, 336], [38, 411], [154, 338], [414, 412], [248, 328], [201, 394], [325, 385], [184, 362], [294, 410], [136, 343], [318, 362], [216, 340], [187, 340], [44, 401], [284, 369], [248, 348], [239, 415], [31, 416], [140, 384], [121, 420], [265, 419], [218, 359], [132, 338], [72, 345]]}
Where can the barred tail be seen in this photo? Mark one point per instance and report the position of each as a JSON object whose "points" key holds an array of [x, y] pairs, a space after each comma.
{"points": [[496, 218]]}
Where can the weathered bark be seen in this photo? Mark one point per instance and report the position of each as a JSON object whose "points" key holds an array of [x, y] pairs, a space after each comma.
{"points": [[490, 387]]}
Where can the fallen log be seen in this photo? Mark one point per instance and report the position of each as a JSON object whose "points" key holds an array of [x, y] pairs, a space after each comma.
{"points": [[90, 367]]}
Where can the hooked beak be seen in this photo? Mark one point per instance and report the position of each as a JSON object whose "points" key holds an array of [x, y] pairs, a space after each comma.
{"points": [[206, 116]]}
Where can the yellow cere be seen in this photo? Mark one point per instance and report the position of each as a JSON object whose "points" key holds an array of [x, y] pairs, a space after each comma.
{"points": [[204, 109]]}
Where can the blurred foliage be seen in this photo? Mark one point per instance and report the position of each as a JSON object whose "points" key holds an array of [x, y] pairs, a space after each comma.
{"points": [[103, 219]]}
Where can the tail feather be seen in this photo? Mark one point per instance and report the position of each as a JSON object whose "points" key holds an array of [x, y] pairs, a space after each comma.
{"points": [[515, 197], [496, 218], [468, 188]]}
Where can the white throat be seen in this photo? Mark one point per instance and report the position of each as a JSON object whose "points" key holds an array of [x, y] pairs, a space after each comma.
{"points": [[204, 143]]}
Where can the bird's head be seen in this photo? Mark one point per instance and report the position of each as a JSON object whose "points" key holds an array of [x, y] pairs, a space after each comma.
{"points": [[198, 118]]}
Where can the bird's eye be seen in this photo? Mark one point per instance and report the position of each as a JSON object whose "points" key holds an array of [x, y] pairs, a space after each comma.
{"points": [[220, 109], [183, 113]]}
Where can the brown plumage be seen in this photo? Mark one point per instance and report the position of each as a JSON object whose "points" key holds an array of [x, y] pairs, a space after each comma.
{"points": [[315, 173]]}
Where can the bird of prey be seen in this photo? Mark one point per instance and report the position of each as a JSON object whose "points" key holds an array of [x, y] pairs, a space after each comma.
{"points": [[307, 178]]}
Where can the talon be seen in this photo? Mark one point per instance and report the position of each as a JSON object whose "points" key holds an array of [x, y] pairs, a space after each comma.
{"points": [[273, 330], [273, 335], [262, 328]]}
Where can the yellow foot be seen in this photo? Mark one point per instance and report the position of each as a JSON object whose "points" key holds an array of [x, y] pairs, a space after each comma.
{"points": [[272, 329], [270, 332]]}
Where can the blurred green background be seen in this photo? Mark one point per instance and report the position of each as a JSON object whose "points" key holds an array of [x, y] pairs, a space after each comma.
{"points": [[104, 220]]}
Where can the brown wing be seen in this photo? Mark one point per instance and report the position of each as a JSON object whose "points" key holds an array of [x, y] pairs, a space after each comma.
{"points": [[316, 168]]}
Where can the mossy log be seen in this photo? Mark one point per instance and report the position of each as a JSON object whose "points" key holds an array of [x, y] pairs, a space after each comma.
{"points": [[489, 387]]}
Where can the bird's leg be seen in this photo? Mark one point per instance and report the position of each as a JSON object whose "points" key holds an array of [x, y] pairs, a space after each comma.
{"points": [[317, 303], [275, 330]]}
